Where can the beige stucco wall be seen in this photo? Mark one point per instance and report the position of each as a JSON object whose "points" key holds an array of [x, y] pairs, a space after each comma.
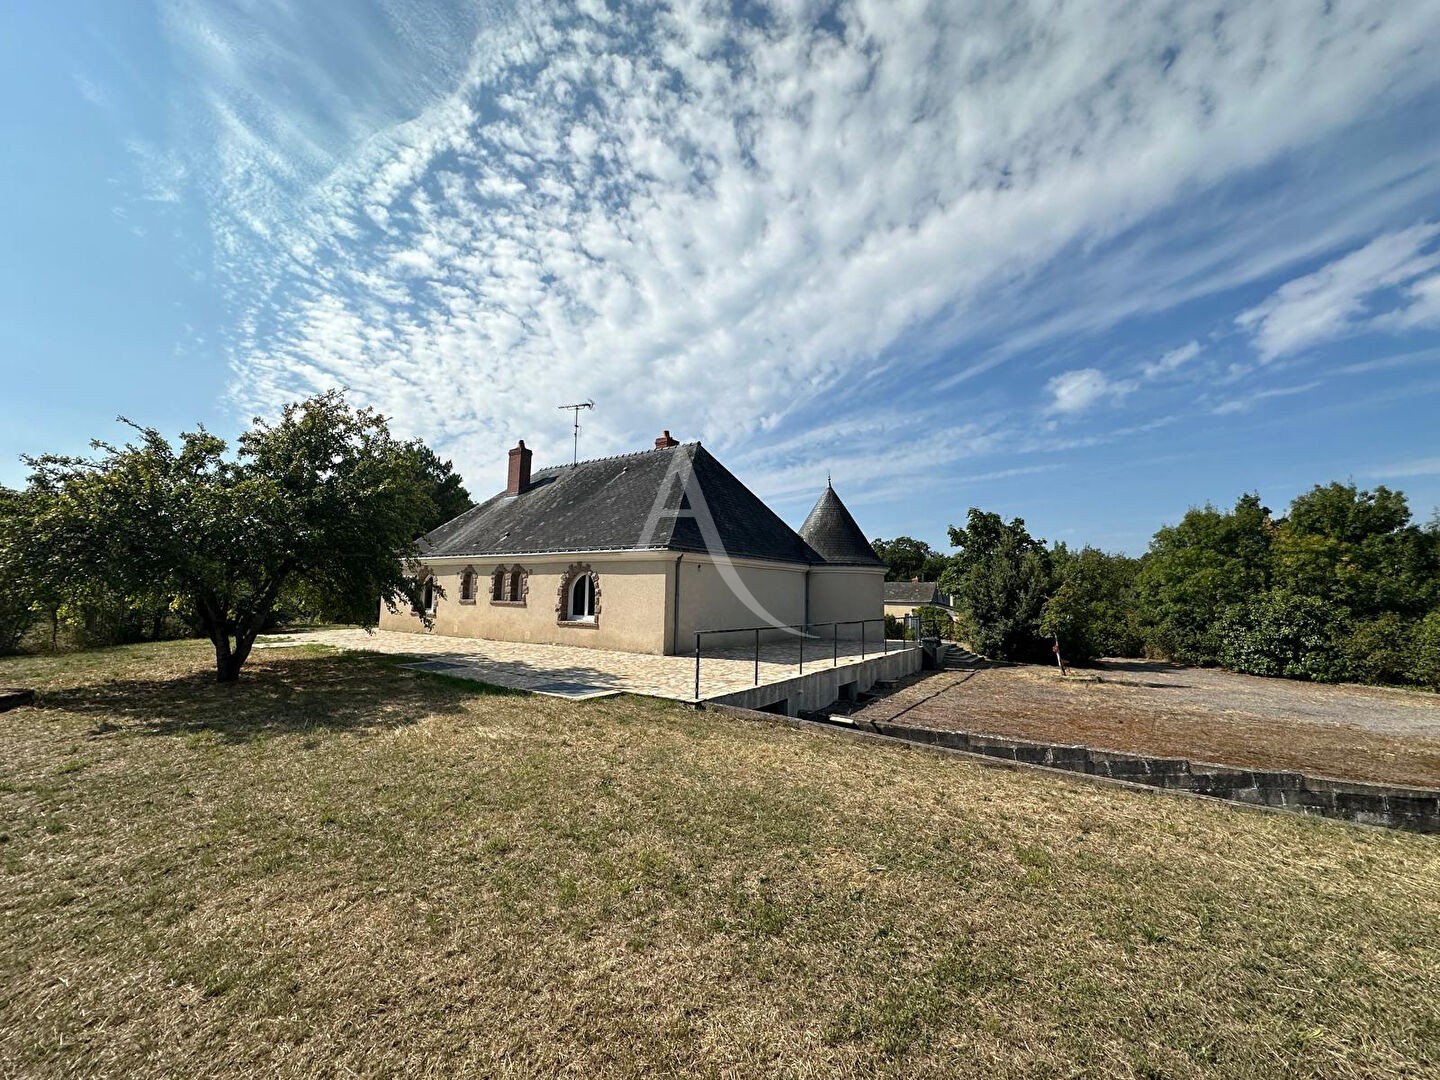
{"points": [[844, 593], [632, 605], [901, 610], [712, 597], [639, 608]]}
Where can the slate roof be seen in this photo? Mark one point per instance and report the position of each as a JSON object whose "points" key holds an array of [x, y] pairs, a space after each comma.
{"points": [[610, 504], [915, 592], [833, 533]]}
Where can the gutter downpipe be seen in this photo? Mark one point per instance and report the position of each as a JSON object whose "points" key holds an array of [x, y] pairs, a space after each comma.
{"points": [[806, 615], [675, 616]]}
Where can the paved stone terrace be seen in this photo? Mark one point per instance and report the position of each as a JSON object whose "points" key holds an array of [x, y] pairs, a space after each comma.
{"points": [[581, 673]]}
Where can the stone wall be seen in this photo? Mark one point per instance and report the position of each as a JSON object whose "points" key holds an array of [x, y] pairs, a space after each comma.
{"points": [[1416, 809]]}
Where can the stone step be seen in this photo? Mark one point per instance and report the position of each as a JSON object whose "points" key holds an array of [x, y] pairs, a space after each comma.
{"points": [[962, 658]]}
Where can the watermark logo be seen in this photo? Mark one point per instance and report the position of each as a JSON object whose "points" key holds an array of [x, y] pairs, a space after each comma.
{"points": [[692, 504]]}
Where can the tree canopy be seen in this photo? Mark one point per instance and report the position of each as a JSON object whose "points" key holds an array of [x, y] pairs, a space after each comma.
{"points": [[323, 500], [906, 558], [1198, 569], [1000, 579], [442, 484], [1345, 586]]}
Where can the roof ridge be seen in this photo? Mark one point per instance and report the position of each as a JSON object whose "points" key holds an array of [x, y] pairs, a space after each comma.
{"points": [[615, 457]]}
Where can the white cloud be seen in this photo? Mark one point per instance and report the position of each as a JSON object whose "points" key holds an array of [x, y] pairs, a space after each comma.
{"points": [[708, 224], [1336, 300], [1171, 361], [92, 92], [1245, 404], [1420, 308], [1401, 469], [1077, 391]]}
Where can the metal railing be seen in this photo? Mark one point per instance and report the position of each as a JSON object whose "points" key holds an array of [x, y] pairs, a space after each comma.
{"points": [[800, 631], [928, 624]]}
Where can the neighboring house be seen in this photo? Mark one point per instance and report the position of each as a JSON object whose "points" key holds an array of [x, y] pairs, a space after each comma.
{"points": [[906, 597], [637, 553]]}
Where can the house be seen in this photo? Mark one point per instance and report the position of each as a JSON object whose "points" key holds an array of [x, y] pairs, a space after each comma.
{"points": [[638, 553], [904, 598]]}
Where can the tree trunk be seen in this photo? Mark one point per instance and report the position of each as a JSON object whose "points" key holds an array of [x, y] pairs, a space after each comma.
{"points": [[220, 626], [226, 668], [230, 658]]}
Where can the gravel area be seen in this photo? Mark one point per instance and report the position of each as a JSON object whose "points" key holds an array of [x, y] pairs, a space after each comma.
{"points": [[1353, 732]]}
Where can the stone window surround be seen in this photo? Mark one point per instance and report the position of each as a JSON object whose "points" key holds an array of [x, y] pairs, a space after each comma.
{"points": [[503, 574], [474, 585], [562, 602]]}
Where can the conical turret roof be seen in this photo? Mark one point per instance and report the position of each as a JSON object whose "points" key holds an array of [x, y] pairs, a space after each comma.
{"points": [[832, 532]]}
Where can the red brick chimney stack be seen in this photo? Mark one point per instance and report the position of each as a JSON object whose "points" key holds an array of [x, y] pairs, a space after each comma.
{"points": [[664, 442], [519, 469]]}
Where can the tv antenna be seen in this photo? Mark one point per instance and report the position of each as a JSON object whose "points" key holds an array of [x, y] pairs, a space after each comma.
{"points": [[575, 460]]}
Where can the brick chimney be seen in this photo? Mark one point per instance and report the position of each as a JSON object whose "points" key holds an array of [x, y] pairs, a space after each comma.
{"points": [[519, 469], [664, 442]]}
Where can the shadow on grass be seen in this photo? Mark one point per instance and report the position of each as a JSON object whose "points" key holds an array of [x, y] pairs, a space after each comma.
{"points": [[1164, 667], [276, 695]]}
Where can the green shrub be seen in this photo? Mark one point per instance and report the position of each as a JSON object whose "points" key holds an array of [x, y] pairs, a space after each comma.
{"points": [[1280, 634], [1382, 650], [935, 622], [895, 628], [1425, 664]]}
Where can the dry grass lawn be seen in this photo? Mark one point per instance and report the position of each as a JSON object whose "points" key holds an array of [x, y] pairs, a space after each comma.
{"points": [[340, 868]]}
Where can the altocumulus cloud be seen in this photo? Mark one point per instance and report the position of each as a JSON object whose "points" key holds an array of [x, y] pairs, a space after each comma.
{"points": [[707, 221], [1076, 391]]}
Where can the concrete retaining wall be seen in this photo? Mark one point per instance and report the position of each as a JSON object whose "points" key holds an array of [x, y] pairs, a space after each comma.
{"points": [[821, 688], [1416, 809]]}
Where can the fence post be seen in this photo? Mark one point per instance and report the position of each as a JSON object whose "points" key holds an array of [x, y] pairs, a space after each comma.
{"points": [[835, 645], [802, 648], [697, 667], [862, 640], [885, 638], [757, 656]]}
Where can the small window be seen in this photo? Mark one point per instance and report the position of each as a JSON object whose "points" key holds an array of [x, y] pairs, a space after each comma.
{"points": [[467, 585], [507, 586]]}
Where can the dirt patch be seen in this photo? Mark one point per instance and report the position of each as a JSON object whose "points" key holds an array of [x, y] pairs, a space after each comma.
{"points": [[1350, 732]]}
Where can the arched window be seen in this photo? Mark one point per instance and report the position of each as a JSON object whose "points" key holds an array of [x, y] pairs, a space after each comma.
{"points": [[578, 601], [582, 598], [429, 595], [497, 585], [516, 592], [467, 585]]}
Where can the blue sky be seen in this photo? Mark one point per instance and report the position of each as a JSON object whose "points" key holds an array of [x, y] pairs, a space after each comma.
{"points": [[1085, 264]]}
